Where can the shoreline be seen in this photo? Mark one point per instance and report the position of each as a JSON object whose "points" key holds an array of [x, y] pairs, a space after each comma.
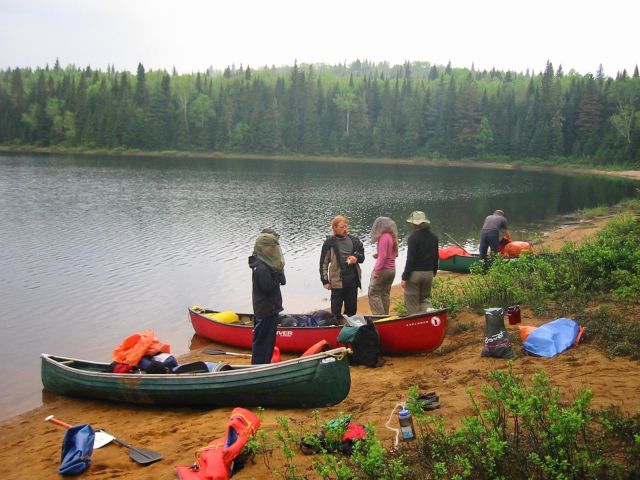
{"points": [[568, 169], [450, 370]]}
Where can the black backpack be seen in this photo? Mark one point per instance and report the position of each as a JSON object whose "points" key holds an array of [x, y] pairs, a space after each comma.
{"points": [[365, 345]]}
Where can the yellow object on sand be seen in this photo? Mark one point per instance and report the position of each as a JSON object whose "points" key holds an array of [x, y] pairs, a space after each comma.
{"points": [[224, 317]]}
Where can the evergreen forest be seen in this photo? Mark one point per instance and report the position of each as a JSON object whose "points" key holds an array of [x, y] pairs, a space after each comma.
{"points": [[364, 109]]}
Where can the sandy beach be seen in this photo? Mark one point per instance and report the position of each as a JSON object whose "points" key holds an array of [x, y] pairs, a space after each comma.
{"points": [[31, 447]]}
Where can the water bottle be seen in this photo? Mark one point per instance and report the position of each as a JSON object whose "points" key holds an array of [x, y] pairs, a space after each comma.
{"points": [[406, 425]]}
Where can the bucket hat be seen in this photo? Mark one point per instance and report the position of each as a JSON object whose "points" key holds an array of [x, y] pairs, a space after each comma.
{"points": [[418, 218]]}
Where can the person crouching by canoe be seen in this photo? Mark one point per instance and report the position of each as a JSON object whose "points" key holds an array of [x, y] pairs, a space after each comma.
{"points": [[494, 227], [421, 266], [384, 233], [339, 270], [267, 265]]}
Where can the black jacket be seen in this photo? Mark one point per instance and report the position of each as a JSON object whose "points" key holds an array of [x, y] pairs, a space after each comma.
{"points": [[267, 299], [331, 269], [422, 253]]}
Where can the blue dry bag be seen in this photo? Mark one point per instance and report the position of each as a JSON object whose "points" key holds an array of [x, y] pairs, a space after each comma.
{"points": [[552, 338], [77, 448]]}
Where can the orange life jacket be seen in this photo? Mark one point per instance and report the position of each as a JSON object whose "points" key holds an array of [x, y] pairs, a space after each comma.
{"points": [[136, 346]]}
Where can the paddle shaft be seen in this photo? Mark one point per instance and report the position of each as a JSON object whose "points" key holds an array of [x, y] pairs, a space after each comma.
{"points": [[211, 351], [53, 419], [454, 241], [101, 438]]}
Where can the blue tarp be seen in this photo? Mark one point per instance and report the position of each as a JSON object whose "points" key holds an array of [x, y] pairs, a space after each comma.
{"points": [[552, 338]]}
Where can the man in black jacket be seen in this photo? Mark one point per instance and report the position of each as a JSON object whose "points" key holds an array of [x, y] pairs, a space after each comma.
{"points": [[339, 267], [267, 265]]}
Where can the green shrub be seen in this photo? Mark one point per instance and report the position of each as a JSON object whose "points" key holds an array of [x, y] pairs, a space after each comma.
{"points": [[522, 431], [609, 265]]}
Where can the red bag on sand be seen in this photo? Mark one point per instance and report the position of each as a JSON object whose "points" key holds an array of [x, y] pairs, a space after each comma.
{"points": [[136, 346], [215, 461], [514, 249]]}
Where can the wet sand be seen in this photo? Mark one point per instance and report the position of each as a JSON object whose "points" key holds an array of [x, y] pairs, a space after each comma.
{"points": [[31, 447]]}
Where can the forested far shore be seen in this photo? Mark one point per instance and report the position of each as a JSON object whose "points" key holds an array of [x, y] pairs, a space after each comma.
{"points": [[415, 110]]}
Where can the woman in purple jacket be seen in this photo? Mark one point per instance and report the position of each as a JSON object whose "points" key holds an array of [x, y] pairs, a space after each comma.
{"points": [[384, 233]]}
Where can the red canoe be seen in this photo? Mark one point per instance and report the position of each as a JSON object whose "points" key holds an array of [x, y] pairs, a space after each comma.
{"points": [[419, 333]]}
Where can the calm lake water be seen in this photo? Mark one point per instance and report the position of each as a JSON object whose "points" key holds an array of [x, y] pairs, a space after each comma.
{"points": [[94, 249]]}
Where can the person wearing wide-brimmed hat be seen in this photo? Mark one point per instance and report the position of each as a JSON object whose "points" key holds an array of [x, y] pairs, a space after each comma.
{"points": [[422, 264], [267, 265], [494, 227]]}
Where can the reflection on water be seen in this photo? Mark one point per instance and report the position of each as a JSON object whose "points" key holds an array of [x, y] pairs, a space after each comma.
{"points": [[95, 249]]}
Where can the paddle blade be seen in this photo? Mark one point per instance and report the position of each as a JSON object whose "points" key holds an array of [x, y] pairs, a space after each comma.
{"points": [[140, 455], [101, 439], [144, 457]]}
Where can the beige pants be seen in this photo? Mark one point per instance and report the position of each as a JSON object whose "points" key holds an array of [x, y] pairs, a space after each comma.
{"points": [[379, 291], [417, 293]]}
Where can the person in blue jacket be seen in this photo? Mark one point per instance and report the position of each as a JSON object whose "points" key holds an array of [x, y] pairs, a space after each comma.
{"points": [[267, 265]]}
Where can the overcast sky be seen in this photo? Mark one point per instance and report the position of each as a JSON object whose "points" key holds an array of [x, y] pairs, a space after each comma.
{"points": [[192, 35]]}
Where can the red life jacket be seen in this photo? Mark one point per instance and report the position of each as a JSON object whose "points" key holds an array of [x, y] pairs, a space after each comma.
{"points": [[215, 461]]}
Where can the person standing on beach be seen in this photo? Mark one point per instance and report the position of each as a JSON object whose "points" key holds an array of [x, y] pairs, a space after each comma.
{"points": [[339, 267], [384, 233], [267, 265], [494, 227], [421, 266]]}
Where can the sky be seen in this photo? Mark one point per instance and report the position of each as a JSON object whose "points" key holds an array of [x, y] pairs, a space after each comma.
{"points": [[194, 35]]}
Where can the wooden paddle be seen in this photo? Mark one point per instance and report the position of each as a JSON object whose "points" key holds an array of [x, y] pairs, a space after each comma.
{"points": [[454, 241], [212, 351], [138, 455]]}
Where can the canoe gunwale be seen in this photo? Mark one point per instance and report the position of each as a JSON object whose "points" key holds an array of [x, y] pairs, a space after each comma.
{"points": [[314, 381], [238, 369], [422, 332], [375, 319]]}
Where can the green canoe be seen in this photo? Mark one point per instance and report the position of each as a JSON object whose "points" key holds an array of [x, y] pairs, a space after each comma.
{"points": [[458, 263], [315, 381]]}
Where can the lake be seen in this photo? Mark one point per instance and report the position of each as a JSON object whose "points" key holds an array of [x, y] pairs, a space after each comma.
{"points": [[94, 249]]}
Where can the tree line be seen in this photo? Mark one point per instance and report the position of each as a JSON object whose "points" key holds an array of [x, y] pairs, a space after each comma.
{"points": [[362, 109]]}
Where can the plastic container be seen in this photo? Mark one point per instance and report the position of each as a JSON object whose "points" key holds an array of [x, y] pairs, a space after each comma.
{"points": [[406, 425], [513, 314]]}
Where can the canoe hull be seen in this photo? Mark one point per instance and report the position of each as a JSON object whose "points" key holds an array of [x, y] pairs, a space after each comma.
{"points": [[315, 381], [420, 333], [458, 263]]}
